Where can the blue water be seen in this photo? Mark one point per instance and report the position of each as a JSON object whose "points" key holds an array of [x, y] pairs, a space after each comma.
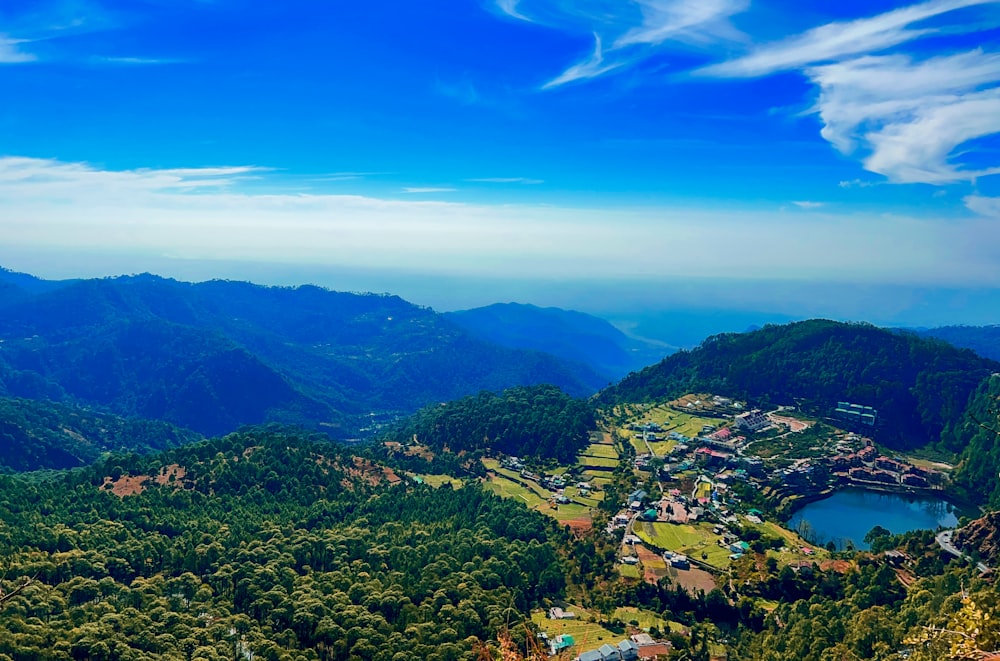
{"points": [[849, 515]]}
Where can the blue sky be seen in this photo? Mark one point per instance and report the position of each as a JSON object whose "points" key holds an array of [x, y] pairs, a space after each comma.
{"points": [[531, 147]]}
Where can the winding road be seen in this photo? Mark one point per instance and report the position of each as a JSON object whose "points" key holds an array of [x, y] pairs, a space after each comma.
{"points": [[943, 539]]}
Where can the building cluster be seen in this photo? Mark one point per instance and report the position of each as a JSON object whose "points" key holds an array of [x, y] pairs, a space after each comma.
{"points": [[869, 466], [856, 414], [639, 646]]}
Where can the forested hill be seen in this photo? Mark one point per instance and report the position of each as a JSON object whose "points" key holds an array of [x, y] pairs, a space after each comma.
{"points": [[979, 435], [920, 386], [569, 334], [264, 544], [215, 355], [539, 421], [36, 435]]}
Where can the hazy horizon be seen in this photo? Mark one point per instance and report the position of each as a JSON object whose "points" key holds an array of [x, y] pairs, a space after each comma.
{"points": [[617, 158]]}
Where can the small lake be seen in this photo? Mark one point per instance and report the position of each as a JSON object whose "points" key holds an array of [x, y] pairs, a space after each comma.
{"points": [[850, 513]]}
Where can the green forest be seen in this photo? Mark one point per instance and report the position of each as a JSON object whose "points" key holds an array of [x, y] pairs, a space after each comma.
{"points": [[37, 434], [533, 421], [270, 545]]}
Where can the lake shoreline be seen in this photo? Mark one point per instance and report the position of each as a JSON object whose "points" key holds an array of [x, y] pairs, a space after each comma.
{"points": [[846, 514]]}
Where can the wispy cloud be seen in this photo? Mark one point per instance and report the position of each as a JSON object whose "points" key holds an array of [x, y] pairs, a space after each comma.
{"points": [[837, 40], [509, 7], [11, 51], [137, 61], [506, 180], [637, 29], [428, 189], [196, 213], [857, 183], [984, 206], [705, 21], [910, 117], [808, 204], [592, 67], [905, 117]]}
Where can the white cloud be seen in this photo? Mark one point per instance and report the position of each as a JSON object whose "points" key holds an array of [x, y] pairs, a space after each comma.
{"points": [[807, 204], [590, 68], [12, 53], [428, 189], [857, 183], [507, 180], [194, 213], [834, 41], [910, 117], [636, 28], [984, 206], [691, 21], [509, 7], [136, 61]]}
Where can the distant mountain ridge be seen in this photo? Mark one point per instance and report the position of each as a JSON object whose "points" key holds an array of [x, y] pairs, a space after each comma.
{"points": [[984, 340], [568, 334], [215, 355]]}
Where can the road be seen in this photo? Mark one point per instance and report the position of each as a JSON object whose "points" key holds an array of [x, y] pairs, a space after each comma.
{"points": [[943, 539]]}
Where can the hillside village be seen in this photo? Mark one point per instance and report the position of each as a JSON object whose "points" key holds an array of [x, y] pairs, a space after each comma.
{"points": [[709, 478]]}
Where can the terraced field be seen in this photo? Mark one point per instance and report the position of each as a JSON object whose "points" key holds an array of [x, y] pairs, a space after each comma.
{"points": [[692, 540]]}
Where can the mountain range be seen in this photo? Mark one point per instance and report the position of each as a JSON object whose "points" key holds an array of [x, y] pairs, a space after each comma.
{"points": [[568, 334], [215, 355]]}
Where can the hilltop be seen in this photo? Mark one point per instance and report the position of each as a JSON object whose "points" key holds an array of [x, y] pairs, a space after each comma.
{"points": [[919, 386]]}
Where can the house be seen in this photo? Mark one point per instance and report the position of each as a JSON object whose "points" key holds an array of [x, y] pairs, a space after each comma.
{"points": [[560, 642], [679, 561], [556, 613], [753, 421], [630, 560], [628, 651], [739, 547], [591, 655], [637, 495], [608, 652]]}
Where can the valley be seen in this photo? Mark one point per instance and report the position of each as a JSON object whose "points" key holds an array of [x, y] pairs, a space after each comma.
{"points": [[668, 516]]}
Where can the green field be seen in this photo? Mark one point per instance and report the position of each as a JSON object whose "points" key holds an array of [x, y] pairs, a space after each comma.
{"points": [[634, 440], [793, 542], [600, 450], [646, 619], [662, 448], [438, 480], [596, 462], [691, 540], [682, 423], [536, 497], [585, 630], [629, 571]]}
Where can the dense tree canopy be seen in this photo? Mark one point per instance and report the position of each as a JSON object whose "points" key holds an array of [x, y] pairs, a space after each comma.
{"points": [[38, 434], [536, 421], [268, 544]]}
